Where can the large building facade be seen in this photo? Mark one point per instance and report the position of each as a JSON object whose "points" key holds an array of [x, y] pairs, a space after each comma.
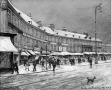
{"points": [[34, 36]]}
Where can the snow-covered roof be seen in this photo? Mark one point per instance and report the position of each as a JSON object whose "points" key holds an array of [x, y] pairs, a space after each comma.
{"points": [[24, 16], [69, 34], [73, 35], [50, 31]]}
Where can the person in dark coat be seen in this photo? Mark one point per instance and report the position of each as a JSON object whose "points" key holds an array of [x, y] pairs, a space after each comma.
{"points": [[15, 68], [58, 62], [90, 61], [25, 61], [34, 65], [50, 61], [73, 61], [70, 60], [54, 63], [79, 60]]}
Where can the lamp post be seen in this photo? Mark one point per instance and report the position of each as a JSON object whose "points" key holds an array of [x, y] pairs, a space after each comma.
{"points": [[98, 7], [46, 53], [46, 56]]}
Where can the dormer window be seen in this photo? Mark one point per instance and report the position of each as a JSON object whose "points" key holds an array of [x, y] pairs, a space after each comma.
{"points": [[30, 22], [85, 37], [73, 35], [90, 38]]}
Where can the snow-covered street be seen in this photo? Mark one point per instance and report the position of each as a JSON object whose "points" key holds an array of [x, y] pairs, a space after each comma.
{"points": [[65, 78]]}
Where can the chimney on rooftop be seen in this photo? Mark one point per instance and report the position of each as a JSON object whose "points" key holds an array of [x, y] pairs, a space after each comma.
{"points": [[52, 26], [19, 13], [39, 23], [29, 14], [64, 29], [74, 31], [86, 34]]}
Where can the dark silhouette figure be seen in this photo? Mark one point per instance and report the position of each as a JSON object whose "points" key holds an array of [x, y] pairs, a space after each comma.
{"points": [[25, 61], [54, 63], [34, 65], [15, 68], [90, 61], [50, 61], [70, 60], [58, 62], [73, 61], [79, 60]]}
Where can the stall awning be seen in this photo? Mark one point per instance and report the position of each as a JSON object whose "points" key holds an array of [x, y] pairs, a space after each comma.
{"points": [[45, 52], [65, 53], [24, 54], [27, 53], [36, 52], [6, 45], [31, 52], [55, 53]]}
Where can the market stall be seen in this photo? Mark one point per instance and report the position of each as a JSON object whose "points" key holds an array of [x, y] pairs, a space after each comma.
{"points": [[6, 50]]}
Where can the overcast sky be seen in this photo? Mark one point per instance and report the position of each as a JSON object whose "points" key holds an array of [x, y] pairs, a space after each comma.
{"points": [[72, 14]]}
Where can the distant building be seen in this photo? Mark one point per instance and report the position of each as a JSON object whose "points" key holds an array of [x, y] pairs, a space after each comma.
{"points": [[106, 48], [34, 36]]}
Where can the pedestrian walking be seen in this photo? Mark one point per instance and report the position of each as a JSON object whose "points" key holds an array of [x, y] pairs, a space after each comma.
{"points": [[70, 60], [50, 61], [15, 67], [73, 61], [79, 60], [42, 62], [27, 66], [54, 63], [37, 59], [90, 61], [24, 61], [34, 65], [58, 62]]}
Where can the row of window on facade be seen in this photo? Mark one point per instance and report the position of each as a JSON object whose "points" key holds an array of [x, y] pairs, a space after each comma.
{"points": [[70, 42], [36, 33], [20, 38], [23, 42]]}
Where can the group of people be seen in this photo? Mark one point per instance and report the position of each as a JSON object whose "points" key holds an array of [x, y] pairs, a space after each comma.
{"points": [[51, 61], [89, 58]]}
